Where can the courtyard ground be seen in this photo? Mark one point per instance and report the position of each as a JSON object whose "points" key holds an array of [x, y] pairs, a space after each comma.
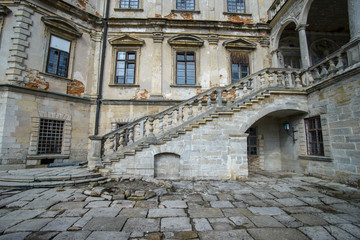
{"points": [[267, 206]]}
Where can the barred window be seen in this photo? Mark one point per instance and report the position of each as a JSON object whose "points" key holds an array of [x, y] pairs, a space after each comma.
{"points": [[58, 57], [185, 68], [185, 5], [50, 136], [236, 6], [314, 138], [125, 67], [129, 3], [239, 66], [252, 142]]}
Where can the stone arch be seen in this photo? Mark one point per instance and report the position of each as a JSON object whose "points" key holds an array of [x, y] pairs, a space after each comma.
{"points": [[305, 12], [283, 26]]}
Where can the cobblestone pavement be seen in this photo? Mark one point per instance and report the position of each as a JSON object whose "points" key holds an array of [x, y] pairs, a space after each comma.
{"points": [[268, 206]]}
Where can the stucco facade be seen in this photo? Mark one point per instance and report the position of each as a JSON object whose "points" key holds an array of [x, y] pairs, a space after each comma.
{"points": [[198, 91]]}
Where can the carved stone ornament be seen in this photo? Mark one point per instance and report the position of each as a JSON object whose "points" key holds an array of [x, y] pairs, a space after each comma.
{"points": [[239, 43], [62, 26], [186, 40], [127, 41]]}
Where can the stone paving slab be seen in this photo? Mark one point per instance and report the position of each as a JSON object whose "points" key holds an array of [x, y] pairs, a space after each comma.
{"points": [[266, 206]]}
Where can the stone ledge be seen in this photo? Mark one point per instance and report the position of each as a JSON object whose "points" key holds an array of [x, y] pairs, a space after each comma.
{"points": [[128, 9], [238, 14], [185, 86], [44, 156], [124, 85], [315, 158], [185, 11]]}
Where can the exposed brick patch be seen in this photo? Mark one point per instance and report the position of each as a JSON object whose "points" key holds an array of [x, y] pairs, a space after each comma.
{"points": [[171, 16], [254, 163], [36, 81], [187, 16], [238, 19], [157, 15], [141, 94], [75, 88]]}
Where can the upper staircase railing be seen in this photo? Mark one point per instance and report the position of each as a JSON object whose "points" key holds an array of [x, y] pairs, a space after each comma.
{"points": [[150, 129]]}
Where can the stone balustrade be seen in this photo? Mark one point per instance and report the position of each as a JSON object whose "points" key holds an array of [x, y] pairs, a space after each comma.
{"points": [[151, 128], [275, 8]]}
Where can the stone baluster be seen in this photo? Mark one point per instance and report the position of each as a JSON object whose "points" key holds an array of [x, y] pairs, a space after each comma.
{"points": [[316, 74], [176, 113], [169, 120], [190, 111], [137, 132], [121, 140], [297, 80], [340, 62], [142, 130], [238, 91], [219, 98], [161, 125], [288, 80], [332, 66], [262, 79], [180, 115], [271, 78], [279, 78], [324, 71], [131, 136], [151, 127], [244, 87], [208, 100], [199, 108]]}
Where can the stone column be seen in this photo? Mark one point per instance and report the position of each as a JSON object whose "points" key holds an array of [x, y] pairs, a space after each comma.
{"points": [[354, 18], [237, 156], [156, 79], [304, 50], [94, 157]]}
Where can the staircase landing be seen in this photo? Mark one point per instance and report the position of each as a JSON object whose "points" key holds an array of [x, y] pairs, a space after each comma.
{"points": [[47, 177]]}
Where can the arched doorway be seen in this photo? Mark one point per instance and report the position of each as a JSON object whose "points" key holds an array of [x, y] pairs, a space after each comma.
{"points": [[270, 146]]}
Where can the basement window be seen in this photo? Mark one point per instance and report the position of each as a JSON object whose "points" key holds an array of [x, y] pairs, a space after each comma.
{"points": [[50, 136], [314, 137]]}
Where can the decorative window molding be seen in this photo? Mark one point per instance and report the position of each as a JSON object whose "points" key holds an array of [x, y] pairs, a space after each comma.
{"points": [[66, 31], [186, 41], [183, 45], [129, 47], [239, 43], [35, 134]]}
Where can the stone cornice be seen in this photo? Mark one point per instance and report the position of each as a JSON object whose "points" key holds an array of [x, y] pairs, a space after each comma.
{"points": [[176, 23], [40, 93]]}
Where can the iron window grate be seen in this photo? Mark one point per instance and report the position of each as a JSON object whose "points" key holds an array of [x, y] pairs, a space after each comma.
{"points": [[50, 136]]}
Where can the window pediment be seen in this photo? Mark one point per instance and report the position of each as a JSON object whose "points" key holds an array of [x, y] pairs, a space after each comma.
{"points": [[239, 43], [186, 40], [62, 26], [126, 40]]}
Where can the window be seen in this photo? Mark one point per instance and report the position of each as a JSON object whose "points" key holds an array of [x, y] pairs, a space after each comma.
{"points": [[50, 136], [236, 6], [185, 68], [239, 66], [125, 67], [129, 3], [252, 143], [185, 5], [314, 136], [58, 56]]}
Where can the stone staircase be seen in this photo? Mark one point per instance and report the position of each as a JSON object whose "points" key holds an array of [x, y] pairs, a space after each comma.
{"points": [[166, 126]]}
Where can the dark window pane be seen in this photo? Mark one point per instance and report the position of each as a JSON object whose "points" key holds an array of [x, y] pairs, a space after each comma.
{"points": [[125, 68], [63, 63], [314, 136], [190, 57], [121, 55], [52, 61], [185, 4], [131, 56], [235, 75], [237, 6], [181, 56], [50, 136]]}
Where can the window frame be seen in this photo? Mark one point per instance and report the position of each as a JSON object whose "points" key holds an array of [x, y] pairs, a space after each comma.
{"points": [[252, 136], [129, 5], [185, 9], [185, 61], [319, 141], [239, 65], [236, 12], [61, 51], [126, 62]]}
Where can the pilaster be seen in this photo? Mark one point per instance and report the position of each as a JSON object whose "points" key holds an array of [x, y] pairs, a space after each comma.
{"points": [[156, 79], [19, 45]]}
